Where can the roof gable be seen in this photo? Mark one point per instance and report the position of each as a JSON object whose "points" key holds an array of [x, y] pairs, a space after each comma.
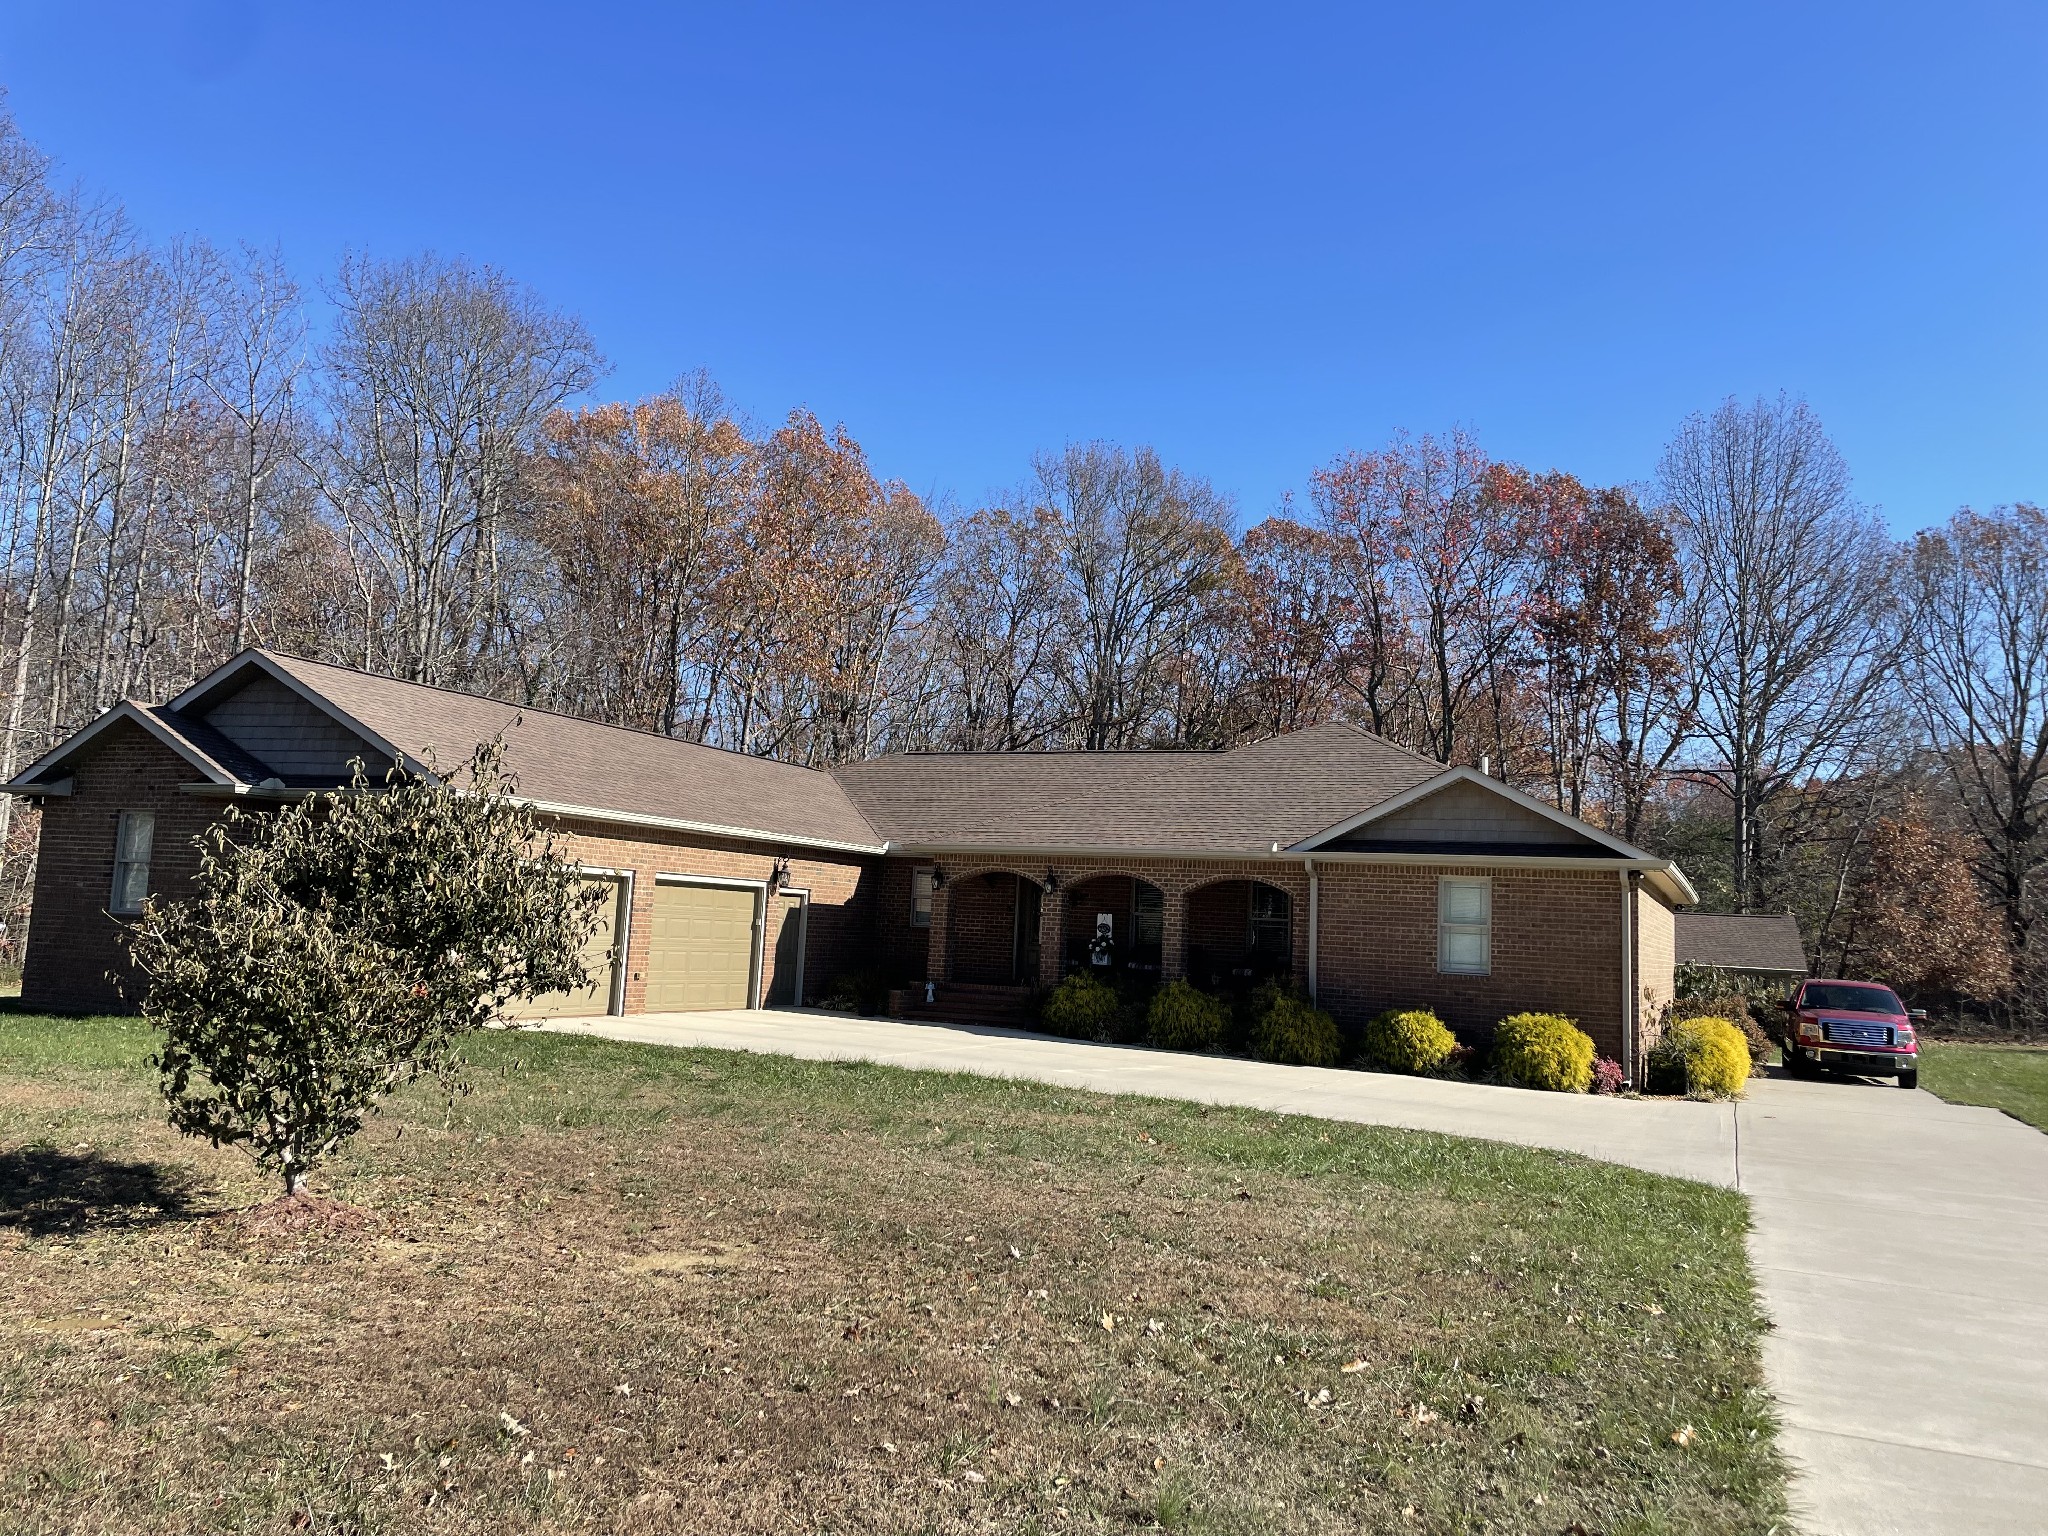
{"points": [[300, 742], [1465, 814], [566, 764], [215, 760], [1463, 805]]}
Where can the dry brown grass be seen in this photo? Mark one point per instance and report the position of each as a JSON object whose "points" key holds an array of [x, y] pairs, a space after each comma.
{"points": [[621, 1289]]}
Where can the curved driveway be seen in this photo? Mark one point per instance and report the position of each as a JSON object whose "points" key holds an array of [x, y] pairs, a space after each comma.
{"points": [[1901, 1243]]}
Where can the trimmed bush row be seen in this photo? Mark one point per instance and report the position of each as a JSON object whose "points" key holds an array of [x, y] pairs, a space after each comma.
{"points": [[1706, 1057]]}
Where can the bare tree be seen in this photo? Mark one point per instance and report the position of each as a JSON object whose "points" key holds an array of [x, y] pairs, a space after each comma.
{"points": [[1144, 546], [991, 635], [1793, 611], [437, 375], [1979, 673], [260, 340]]}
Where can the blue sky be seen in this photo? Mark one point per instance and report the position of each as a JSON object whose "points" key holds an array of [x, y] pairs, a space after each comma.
{"points": [[1251, 236]]}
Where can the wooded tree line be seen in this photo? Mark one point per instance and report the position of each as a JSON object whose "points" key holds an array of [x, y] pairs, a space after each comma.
{"points": [[1731, 662]]}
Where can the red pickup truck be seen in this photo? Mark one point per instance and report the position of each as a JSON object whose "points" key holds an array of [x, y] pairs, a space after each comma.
{"points": [[1851, 1026]]}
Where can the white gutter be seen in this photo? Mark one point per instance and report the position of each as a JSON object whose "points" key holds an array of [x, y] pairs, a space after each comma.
{"points": [[705, 828], [586, 813]]}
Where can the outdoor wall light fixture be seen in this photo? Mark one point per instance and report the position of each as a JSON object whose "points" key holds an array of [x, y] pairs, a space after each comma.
{"points": [[1052, 878], [938, 876], [779, 876]]}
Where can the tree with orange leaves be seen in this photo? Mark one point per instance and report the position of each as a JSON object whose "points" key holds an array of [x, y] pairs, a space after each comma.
{"points": [[639, 508]]}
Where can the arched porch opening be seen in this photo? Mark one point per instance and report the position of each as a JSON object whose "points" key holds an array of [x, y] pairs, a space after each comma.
{"points": [[1115, 926], [992, 928], [1239, 933]]}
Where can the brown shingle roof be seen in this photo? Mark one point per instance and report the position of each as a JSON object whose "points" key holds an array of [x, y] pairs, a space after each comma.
{"points": [[1278, 791], [1739, 943], [564, 760]]}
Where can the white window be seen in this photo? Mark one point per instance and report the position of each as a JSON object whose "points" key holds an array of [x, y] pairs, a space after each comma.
{"points": [[136, 831], [1464, 925], [921, 898]]}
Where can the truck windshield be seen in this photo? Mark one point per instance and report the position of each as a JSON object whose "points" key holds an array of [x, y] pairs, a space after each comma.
{"points": [[1851, 999]]}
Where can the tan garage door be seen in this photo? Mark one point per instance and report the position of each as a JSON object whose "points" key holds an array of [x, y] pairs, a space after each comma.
{"points": [[701, 951], [600, 959]]}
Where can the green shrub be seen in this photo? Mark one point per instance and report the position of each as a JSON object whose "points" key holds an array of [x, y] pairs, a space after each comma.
{"points": [[1131, 1024], [1705, 1056], [863, 992], [1543, 1050], [1407, 1040], [1185, 1018], [1081, 1008], [1287, 1027]]}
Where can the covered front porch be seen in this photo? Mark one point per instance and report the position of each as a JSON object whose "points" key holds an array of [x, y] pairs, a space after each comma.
{"points": [[1016, 927]]}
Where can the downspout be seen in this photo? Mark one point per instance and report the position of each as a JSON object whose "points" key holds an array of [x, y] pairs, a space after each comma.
{"points": [[1628, 977], [1315, 909]]}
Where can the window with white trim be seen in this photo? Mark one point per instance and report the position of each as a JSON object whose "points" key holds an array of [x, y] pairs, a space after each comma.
{"points": [[133, 835], [1464, 925], [921, 897]]}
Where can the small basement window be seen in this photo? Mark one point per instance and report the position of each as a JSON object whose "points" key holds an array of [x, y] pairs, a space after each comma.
{"points": [[1464, 925], [132, 839], [921, 897]]}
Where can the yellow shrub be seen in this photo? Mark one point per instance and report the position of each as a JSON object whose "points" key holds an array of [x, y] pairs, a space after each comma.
{"points": [[1710, 1053], [1543, 1050], [1407, 1040]]}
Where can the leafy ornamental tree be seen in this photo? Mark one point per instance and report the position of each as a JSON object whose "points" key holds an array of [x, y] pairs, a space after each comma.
{"points": [[344, 945]]}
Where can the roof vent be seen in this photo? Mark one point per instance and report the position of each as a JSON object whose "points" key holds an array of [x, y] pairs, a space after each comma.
{"points": [[273, 782], [1486, 767]]}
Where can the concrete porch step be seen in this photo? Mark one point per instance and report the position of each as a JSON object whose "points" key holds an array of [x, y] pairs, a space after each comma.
{"points": [[962, 1002]]}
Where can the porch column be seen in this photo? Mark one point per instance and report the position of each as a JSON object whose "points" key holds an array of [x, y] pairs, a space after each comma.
{"points": [[1052, 925], [1173, 933], [938, 964]]}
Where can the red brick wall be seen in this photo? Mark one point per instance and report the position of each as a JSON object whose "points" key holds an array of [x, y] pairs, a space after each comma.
{"points": [[982, 911], [899, 949], [1556, 948], [73, 943], [1656, 970], [840, 907], [74, 947]]}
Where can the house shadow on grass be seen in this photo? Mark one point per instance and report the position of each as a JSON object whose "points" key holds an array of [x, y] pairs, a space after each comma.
{"points": [[48, 1193]]}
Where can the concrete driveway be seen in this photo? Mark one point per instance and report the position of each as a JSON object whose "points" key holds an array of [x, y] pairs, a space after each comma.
{"points": [[1901, 1243]]}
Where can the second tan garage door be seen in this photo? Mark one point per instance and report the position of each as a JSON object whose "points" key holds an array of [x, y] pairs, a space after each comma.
{"points": [[600, 960], [701, 951]]}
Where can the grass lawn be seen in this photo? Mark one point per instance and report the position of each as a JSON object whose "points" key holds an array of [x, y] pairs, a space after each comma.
{"points": [[623, 1288], [2013, 1078]]}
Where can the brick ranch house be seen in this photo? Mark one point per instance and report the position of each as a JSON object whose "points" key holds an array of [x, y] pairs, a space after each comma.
{"points": [[1367, 875]]}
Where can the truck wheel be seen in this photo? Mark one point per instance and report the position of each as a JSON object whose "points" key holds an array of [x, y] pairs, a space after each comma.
{"points": [[1796, 1062], [1909, 1079]]}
